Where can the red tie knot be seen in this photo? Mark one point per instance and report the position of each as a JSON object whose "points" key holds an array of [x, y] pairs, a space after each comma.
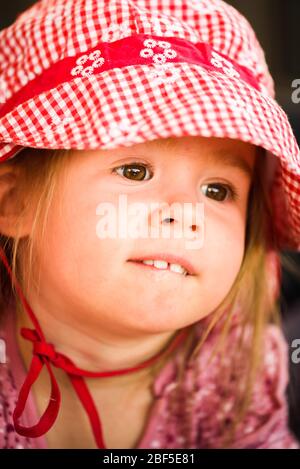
{"points": [[44, 349], [40, 346]]}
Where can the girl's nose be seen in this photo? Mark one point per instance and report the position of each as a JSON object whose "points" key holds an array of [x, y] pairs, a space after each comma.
{"points": [[179, 216], [193, 227]]}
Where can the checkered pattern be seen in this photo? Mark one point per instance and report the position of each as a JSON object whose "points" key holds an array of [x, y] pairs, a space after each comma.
{"points": [[160, 94]]}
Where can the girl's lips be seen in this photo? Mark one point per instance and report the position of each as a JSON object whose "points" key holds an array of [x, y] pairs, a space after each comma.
{"points": [[168, 257], [152, 268]]}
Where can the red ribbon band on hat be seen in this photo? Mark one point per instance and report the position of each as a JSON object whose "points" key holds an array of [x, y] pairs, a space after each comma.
{"points": [[126, 52], [44, 354]]}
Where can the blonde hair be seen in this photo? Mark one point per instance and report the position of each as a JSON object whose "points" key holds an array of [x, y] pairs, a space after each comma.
{"points": [[250, 291], [41, 171]]}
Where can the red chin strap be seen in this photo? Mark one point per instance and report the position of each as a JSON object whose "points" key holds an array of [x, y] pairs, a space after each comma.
{"points": [[44, 354]]}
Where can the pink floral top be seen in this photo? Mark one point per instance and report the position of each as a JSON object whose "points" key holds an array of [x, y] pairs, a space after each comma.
{"points": [[265, 425]]}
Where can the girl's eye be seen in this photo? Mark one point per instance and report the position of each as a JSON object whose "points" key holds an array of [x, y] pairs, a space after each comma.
{"points": [[133, 171], [219, 192]]}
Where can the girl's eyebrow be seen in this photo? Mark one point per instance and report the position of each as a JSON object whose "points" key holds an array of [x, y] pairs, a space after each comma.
{"points": [[227, 158]]}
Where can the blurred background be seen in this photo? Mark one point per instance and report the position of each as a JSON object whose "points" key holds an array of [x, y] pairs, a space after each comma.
{"points": [[276, 23]]}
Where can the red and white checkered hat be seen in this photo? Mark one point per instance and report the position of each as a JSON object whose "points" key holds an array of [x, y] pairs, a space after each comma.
{"points": [[89, 74]]}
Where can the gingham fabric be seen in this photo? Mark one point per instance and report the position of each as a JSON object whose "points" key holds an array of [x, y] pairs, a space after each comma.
{"points": [[89, 74]]}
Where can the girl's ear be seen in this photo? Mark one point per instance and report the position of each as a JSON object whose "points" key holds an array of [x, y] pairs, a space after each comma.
{"points": [[12, 205]]}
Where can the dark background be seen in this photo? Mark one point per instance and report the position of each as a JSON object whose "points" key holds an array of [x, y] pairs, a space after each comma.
{"points": [[277, 25]]}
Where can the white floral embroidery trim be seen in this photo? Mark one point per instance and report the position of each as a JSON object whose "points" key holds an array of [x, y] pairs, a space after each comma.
{"points": [[158, 58], [163, 71], [97, 62]]}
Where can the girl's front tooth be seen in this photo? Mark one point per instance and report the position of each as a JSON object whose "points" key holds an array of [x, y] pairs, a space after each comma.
{"points": [[148, 262], [160, 264], [177, 268]]}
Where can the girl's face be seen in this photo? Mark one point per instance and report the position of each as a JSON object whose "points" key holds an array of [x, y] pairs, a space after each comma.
{"points": [[90, 281]]}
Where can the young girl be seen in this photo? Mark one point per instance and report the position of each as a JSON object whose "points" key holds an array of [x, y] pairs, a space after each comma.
{"points": [[167, 339]]}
